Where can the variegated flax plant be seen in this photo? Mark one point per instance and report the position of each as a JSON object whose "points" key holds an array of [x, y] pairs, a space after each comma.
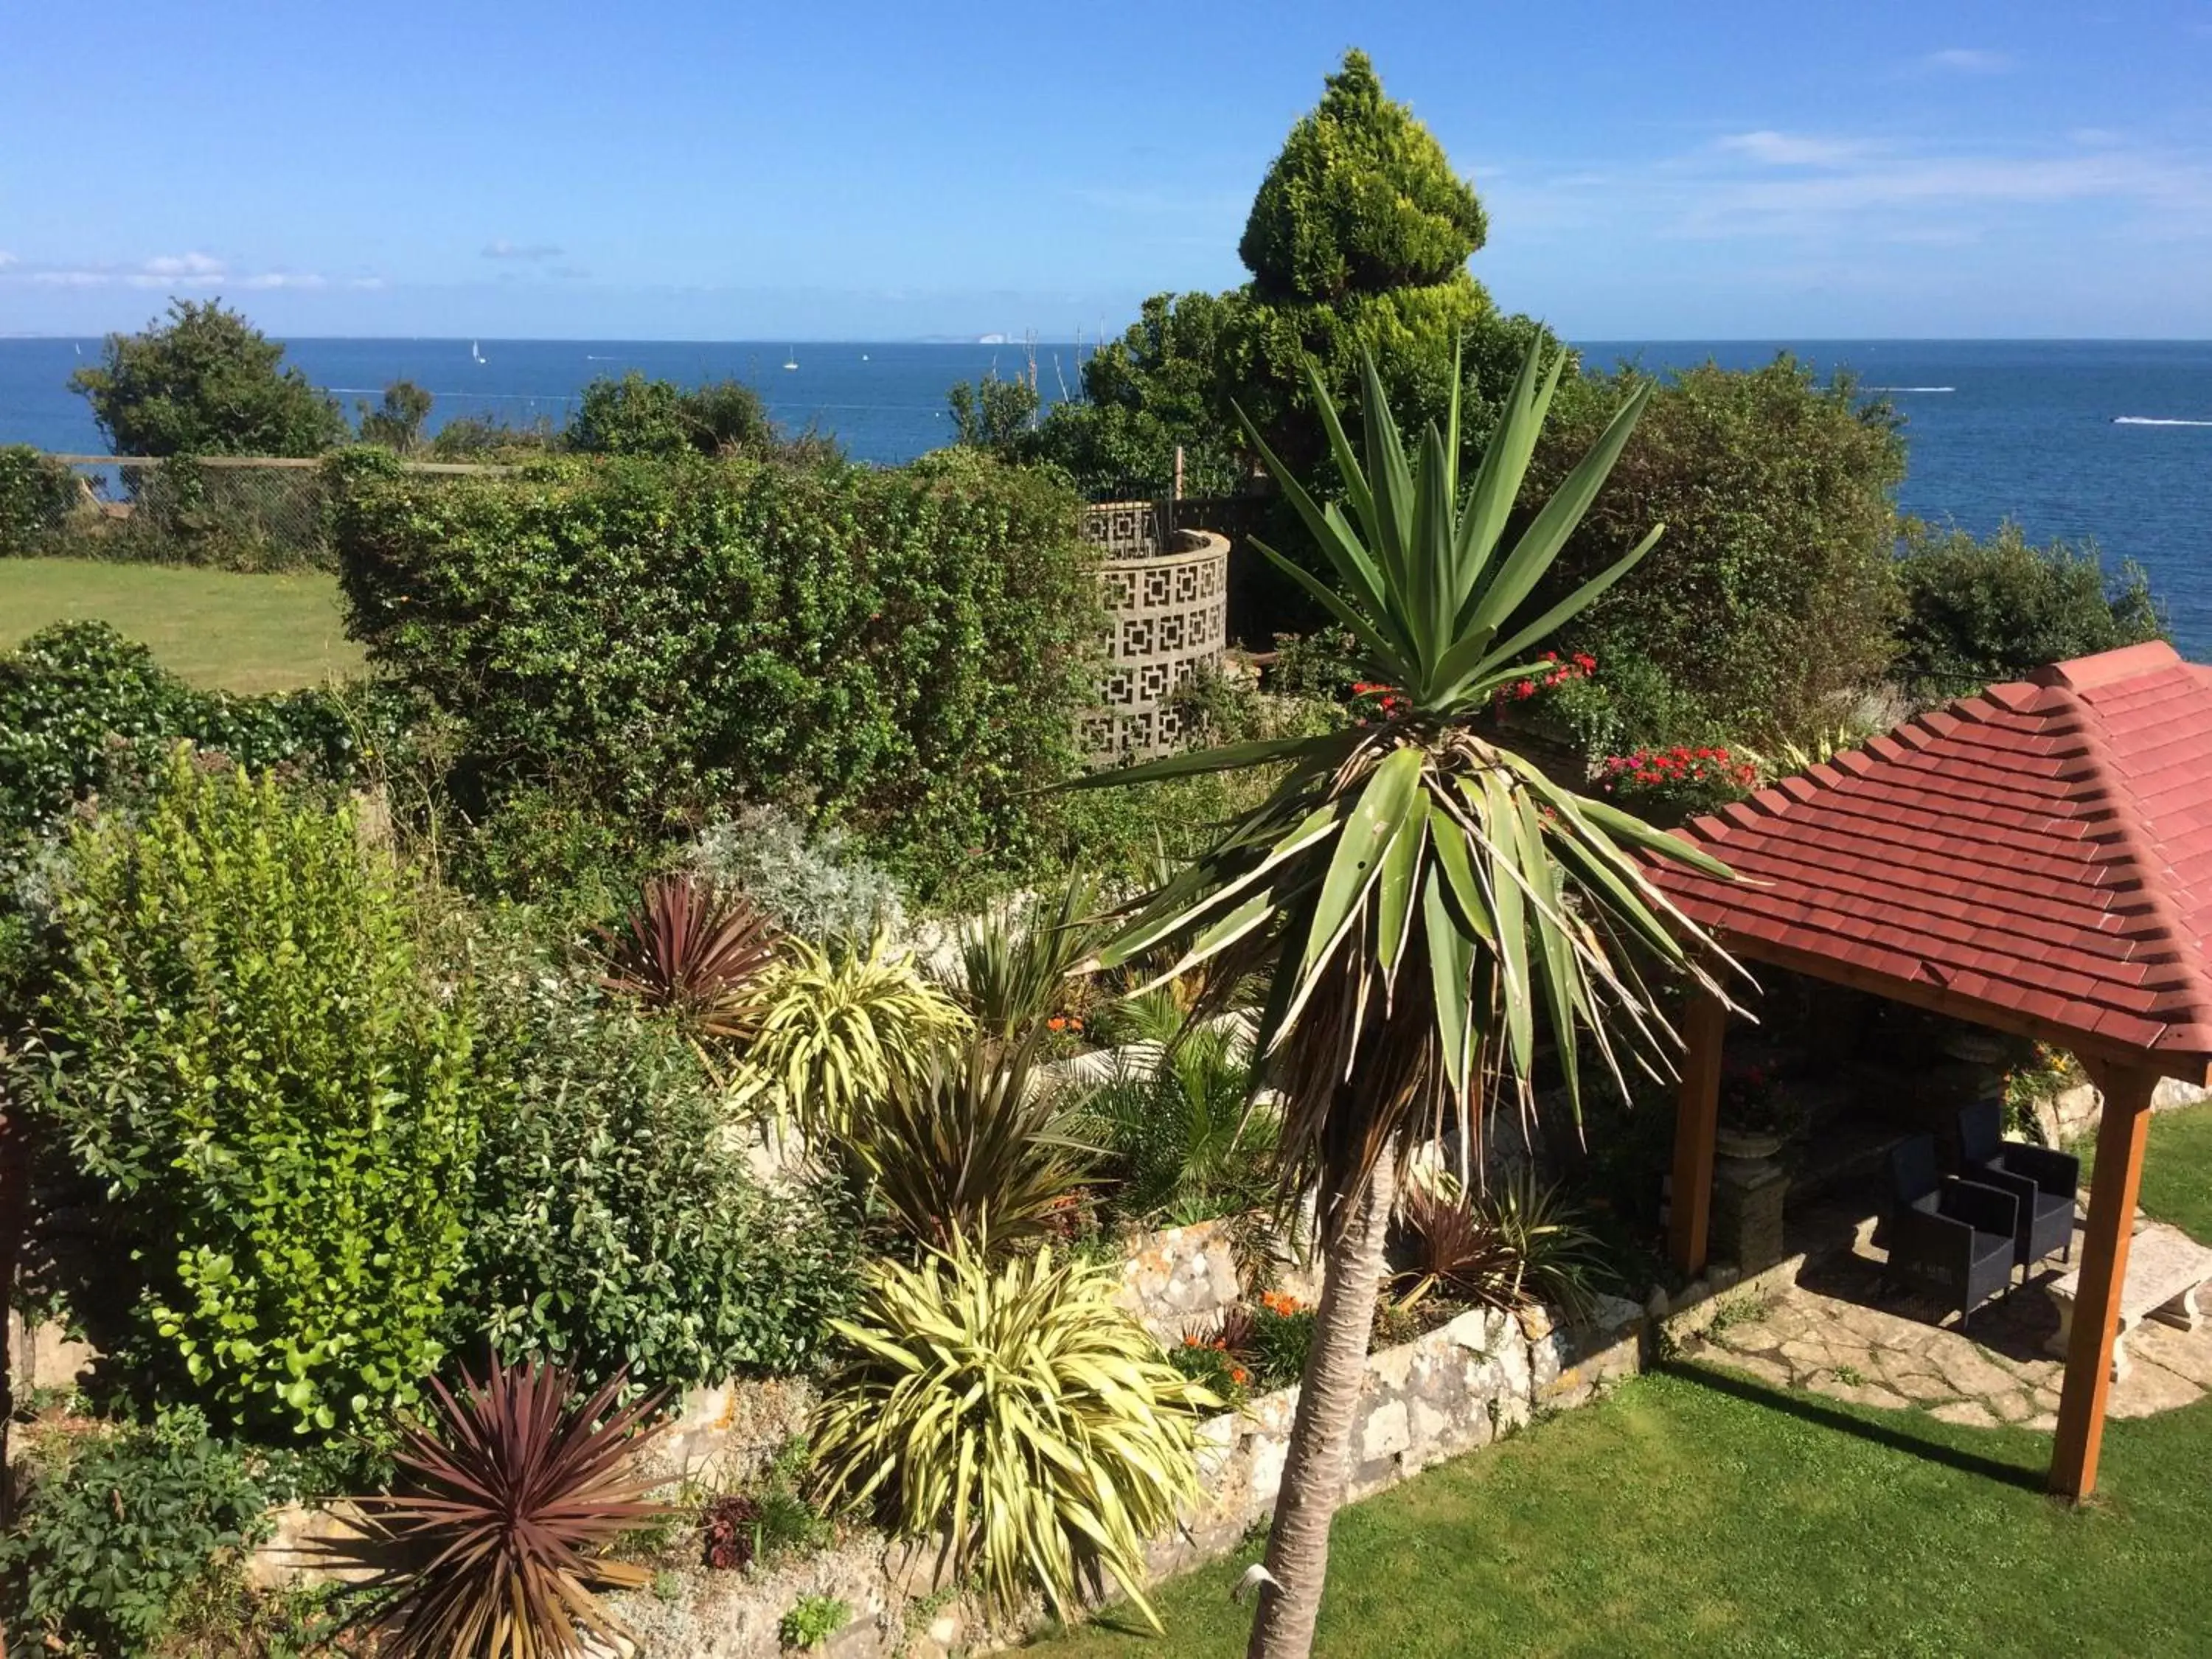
{"points": [[1424, 900]]}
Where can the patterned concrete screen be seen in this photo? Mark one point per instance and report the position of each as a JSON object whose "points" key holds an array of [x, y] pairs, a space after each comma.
{"points": [[1167, 591]]}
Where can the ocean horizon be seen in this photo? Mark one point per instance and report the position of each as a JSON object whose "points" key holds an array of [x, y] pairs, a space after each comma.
{"points": [[2106, 442]]}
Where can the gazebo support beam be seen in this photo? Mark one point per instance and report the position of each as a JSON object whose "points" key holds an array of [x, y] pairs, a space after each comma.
{"points": [[2120, 1137], [1697, 1119]]}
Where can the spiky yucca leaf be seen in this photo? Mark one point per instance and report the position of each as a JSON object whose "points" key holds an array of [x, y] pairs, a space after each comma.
{"points": [[691, 949], [514, 1490], [836, 1029], [1416, 891], [1021, 1414]]}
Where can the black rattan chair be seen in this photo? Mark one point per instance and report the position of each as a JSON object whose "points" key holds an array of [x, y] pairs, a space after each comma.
{"points": [[1951, 1238], [2043, 1181]]}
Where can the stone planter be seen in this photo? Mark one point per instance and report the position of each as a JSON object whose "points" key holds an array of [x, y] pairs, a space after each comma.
{"points": [[1746, 1146]]}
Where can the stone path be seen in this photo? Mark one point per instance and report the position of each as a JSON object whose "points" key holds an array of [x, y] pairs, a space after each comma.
{"points": [[1835, 1335]]}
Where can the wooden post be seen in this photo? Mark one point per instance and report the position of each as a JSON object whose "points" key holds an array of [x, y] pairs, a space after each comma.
{"points": [[1696, 1117], [2120, 1137]]}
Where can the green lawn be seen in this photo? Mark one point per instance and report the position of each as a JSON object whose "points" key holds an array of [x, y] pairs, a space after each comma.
{"points": [[2177, 1177], [1696, 1511], [213, 627]]}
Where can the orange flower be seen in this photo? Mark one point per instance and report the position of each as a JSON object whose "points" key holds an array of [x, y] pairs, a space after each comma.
{"points": [[1281, 1303], [1239, 1375]]}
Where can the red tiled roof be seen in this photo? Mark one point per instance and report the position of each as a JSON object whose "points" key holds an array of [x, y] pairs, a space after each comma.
{"points": [[2044, 850]]}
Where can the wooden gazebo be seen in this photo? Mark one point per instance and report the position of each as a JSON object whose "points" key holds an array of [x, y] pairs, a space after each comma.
{"points": [[2037, 858]]}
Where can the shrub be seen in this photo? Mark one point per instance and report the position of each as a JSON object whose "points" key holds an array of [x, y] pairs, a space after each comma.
{"points": [[81, 707], [120, 1526], [514, 1494], [241, 1046], [992, 414], [814, 884], [980, 1147], [207, 382], [635, 415], [614, 1225], [1770, 597], [37, 495], [836, 1031], [902, 651], [1981, 611], [767, 1521], [812, 1621], [1519, 1243], [690, 950], [1020, 1412], [396, 423], [1185, 1139]]}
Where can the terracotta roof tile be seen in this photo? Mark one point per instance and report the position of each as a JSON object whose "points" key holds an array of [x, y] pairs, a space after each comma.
{"points": [[2043, 849]]}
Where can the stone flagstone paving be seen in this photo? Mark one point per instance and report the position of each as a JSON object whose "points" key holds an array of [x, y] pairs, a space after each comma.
{"points": [[1835, 1334]]}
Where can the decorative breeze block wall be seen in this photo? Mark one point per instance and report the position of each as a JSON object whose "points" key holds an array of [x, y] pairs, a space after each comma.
{"points": [[1167, 592]]}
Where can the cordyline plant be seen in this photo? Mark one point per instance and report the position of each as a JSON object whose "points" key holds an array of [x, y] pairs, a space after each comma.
{"points": [[978, 1145], [1417, 892], [691, 949], [1019, 1414], [516, 1489]]}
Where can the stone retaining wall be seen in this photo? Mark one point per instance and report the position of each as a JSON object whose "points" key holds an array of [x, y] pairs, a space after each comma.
{"points": [[1455, 1390]]}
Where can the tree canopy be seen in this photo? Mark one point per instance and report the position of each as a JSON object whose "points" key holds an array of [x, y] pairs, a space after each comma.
{"points": [[1362, 199], [1358, 244], [206, 382]]}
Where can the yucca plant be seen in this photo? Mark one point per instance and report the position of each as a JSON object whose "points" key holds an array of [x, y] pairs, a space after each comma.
{"points": [[1519, 1243], [1015, 960], [1020, 1412], [510, 1495], [690, 949], [974, 1145], [834, 1029], [1421, 896]]}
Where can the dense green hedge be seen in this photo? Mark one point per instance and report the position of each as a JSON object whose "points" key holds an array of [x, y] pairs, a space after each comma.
{"points": [[80, 704], [907, 651], [1768, 604], [37, 495], [1981, 611]]}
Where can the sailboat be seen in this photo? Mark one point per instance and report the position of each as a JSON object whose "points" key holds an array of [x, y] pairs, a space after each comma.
{"points": [[792, 361], [477, 354]]}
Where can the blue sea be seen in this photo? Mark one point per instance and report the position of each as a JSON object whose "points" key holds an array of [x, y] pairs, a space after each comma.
{"points": [[2103, 440]]}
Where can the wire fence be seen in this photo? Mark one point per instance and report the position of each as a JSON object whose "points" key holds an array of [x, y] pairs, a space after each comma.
{"points": [[238, 512]]}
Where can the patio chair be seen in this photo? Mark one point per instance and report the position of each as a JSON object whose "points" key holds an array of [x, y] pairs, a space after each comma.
{"points": [[2042, 1180], [1949, 1238]]}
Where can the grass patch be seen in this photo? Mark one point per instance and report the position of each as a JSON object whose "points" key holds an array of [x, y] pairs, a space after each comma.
{"points": [[215, 628], [1693, 1510], [2177, 1177]]}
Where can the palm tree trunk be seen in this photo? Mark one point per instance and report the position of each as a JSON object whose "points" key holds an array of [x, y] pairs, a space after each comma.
{"points": [[1314, 1471]]}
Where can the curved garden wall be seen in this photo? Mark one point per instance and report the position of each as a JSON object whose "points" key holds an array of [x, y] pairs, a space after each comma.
{"points": [[1167, 592]]}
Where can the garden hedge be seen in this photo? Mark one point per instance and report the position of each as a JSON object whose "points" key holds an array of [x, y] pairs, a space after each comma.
{"points": [[907, 651]]}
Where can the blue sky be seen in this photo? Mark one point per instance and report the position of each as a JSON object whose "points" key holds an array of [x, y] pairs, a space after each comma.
{"points": [[712, 169]]}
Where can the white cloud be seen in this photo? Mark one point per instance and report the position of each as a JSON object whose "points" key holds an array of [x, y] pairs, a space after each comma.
{"points": [[172, 273], [182, 264], [502, 249], [1785, 150], [1769, 186], [1969, 60], [6, 259]]}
